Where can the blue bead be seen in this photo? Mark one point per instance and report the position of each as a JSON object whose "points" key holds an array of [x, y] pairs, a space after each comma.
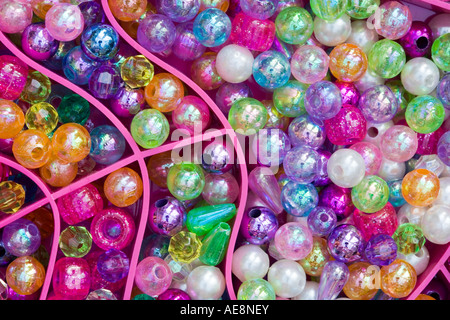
{"points": [[78, 67], [179, 10], [212, 27], [107, 144], [100, 42], [299, 199], [395, 193], [271, 69]]}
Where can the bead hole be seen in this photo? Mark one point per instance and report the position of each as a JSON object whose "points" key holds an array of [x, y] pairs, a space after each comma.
{"points": [[323, 217], [161, 203], [37, 153], [372, 132], [46, 173], [160, 273], [255, 213], [422, 43]]}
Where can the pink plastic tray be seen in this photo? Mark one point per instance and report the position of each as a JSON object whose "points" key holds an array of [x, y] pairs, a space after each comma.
{"points": [[137, 158]]}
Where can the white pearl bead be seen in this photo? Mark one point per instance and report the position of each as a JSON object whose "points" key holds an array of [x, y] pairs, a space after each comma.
{"points": [[420, 76], [250, 262], [375, 131], [205, 283], [368, 80], [391, 170], [332, 33], [346, 168], [410, 214], [435, 224], [444, 192], [287, 278], [362, 36], [418, 260], [440, 25], [234, 63], [309, 292]]}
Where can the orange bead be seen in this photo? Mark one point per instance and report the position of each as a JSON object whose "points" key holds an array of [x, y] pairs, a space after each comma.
{"points": [[348, 62], [12, 119], [58, 173], [25, 275], [123, 187], [158, 167], [218, 4], [43, 219], [361, 284], [127, 10], [41, 7], [398, 279], [314, 262], [420, 187], [164, 92], [32, 148], [424, 297], [71, 142]]}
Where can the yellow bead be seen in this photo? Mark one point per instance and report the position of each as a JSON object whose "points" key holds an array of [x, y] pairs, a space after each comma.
{"points": [[398, 279], [361, 284], [137, 71], [12, 196], [185, 247], [42, 116]]}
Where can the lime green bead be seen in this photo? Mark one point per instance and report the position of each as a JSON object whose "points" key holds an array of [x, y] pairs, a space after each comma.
{"points": [[185, 247], [247, 116], [256, 289], [294, 25], [37, 88], [409, 238], [201, 220], [402, 95], [329, 10], [362, 9], [75, 241], [215, 244], [185, 181], [425, 114], [42, 116], [371, 194], [289, 99], [74, 109], [150, 128], [386, 58], [440, 52]]}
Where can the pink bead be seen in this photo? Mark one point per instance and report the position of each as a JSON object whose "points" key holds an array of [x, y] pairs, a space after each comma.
{"points": [[71, 278], [383, 221], [191, 114], [371, 154], [254, 34], [294, 240], [153, 276], [350, 94], [399, 143], [427, 142], [393, 20], [64, 21], [13, 77], [80, 204], [347, 127], [220, 188], [14, 16], [113, 228]]}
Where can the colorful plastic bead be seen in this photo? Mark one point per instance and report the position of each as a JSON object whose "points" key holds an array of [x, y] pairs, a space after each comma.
{"points": [[215, 244], [12, 196], [123, 187], [264, 184], [32, 148], [321, 221], [75, 241], [329, 10], [398, 279], [395, 193], [25, 275], [256, 289], [64, 21], [359, 285], [92, 13], [77, 66], [234, 63], [299, 199], [217, 157], [136, 71], [435, 224], [156, 33], [420, 187], [247, 116], [42, 116], [425, 114], [294, 25], [113, 265], [12, 119], [348, 62], [21, 237], [409, 238], [394, 20], [418, 40], [271, 69], [178, 11], [259, 225], [128, 102], [323, 100], [380, 222], [439, 52], [332, 33], [164, 92], [212, 27], [399, 143], [315, 261], [13, 77], [150, 128], [107, 144], [58, 173], [127, 11], [378, 104], [301, 164], [362, 9], [228, 93], [371, 194], [185, 247], [100, 42], [381, 250], [293, 240], [386, 58], [186, 181], [71, 278], [420, 76], [15, 16], [186, 47], [204, 73], [338, 199], [346, 243], [167, 216], [334, 276], [37, 88], [309, 64], [219, 189], [71, 142], [37, 43], [289, 99], [158, 167]]}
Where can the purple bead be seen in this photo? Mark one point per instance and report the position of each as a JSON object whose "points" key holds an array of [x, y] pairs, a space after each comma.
{"points": [[271, 147], [378, 104], [346, 243], [228, 93], [78, 67], [264, 185], [113, 265], [322, 178], [443, 91], [186, 47], [349, 93], [105, 81], [107, 144], [156, 33], [321, 221], [305, 130], [21, 237], [174, 294], [418, 40], [179, 11], [332, 280], [6, 145], [259, 225], [128, 102], [323, 100], [443, 148], [167, 216], [37, 43], [381, 250], [5, 256], [217, 157], [92, 13], [301, 164]]}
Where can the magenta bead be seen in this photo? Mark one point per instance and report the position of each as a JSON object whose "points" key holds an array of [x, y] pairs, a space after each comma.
{"points": [[21, 238], [37, 43], [418, 40], [254, 34], [337, 198], [371, 154], [15, 16], [349, 93], [167, 216], [128, 102], [112, 228], [220, 188], [153, 276], [6, 146], [428, 142], [217, 156], [13, 77], [192, 114], [80, 205], [322, 178], [71, 278], [347, 127], [346, 243], [186, 47], [399, 143], [228, 93], [174, 294], [383, 221], [259, 225], [293, 240], [64, 21]]}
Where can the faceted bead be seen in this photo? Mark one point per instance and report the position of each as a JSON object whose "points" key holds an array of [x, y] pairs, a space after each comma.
{"points": [[254, 34], [185, 246], [75, 241]]}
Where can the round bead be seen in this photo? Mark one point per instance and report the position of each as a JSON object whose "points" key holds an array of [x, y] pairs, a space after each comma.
{"points": [[321, 221], [212, 27], [305, 130], [346, 168], [371, 194], [185, 181], [358, 285], [58, 173], [362, 9], [293, 240], [329, 10], [294, 25], [399, 143], [136, 71], [398, 279], [123, 187], [435, 224], [217, 157], [222, 188], [309, 64], [228, 93], [425, 114], [74, 109], [395, 193], [25, 275], [380, 222], [15, 16], [191, 115], [315, 261], [409, 238], [150, 128], [156, 33], [299, 199], [64, 21], [378, 104], [417, 41], [332, 33], [113, 265], [42, 116], [348, 62], [167, 216], [179, 11], [71, 278], [256, 289], [75, 241], [185, 247], [394, 20], [13, 77], [250, 262], [386, 58], [186, 47], [174, 294], [37, 43], [259, 225], [419, 260], [301, 164], [287, 278], [289, 99], [271, 69], [323, 100], [426, 82], [71, 142], [271, 147], [261, 9], [204, 73], [205, 283], [338, 199], [107, 144], [78, 67], [105, 82], [32, 148], [420, 187], [247, 116], [127, 11], [346, 243], [100, 42], [92, 13], [234, 63], [12, 119], [12, 195], [21, 237], [439, 52], [153, 276], [381, 250], [347, 127], [37, 88], [371, 154]]}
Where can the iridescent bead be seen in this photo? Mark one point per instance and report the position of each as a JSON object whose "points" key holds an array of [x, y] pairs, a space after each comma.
{"points": [[127, 11], [378, 104], [58, 173], [398, 279], [156, 33], [185, 246], [75, 241], [174, 294], [92, 13], [271, 147], [322, 178], [323, 100], [399, 143], [212, 27], [321, 221], [123, 187], [443, 91], [219, 4], [186, 47], [394, 20], [71, 142], [315, 261], [329, 10], [409, 238], [309, 64], [104, 82], [13, 77], [386, 58], [12, 119], [348, 62], [113, 265], [25, 275], [258, 225], [294, 25], [136, 71], [299, 199], [186, 181], [192, 115], [425, 114], [222, 188], [362, 9], [380, 222], [100, 42], [74, 109], [15, 16], [371, 154], [217, 157], [435, 224], [275, 118], [395, 193], [359, 285], [37, 43], [228, 93], [107, 144], [179, 11], [362, 36], [12, 196], [294, 240], [332, 33], [247, 116], [78, 67], [262, 9], [42, 116], [21, 237], [64, 21], [167, 216], [371, 194], [234, 63], [420, 187], [155, 245], [347, 127], [439, 52], [289, 98], [417, 41], [381, 250], [150, 128], [128, 102], [443, 148], [271, 69], [32, 148], [301, 164], [346, 243], [158, 167], [37, 88], [71, 278], [204, 73], [256, 289], [334, 276], [55, 62], [338, 199]]}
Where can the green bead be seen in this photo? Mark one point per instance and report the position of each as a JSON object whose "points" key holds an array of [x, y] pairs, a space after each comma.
{"points": [[256, 289], [201, 220], [185, 181], [425, 114], [386, 58], [42, 116], [362, 9], [403, 96], [440, 52], [185, 247], [37, 88], [143, 296], [75, 241], [294, 25], [409, 238], [247, 116], [329, 10], [371, 194], [150, 128], [74, 109], [289, 99], [180, 270], [215, 244]]}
